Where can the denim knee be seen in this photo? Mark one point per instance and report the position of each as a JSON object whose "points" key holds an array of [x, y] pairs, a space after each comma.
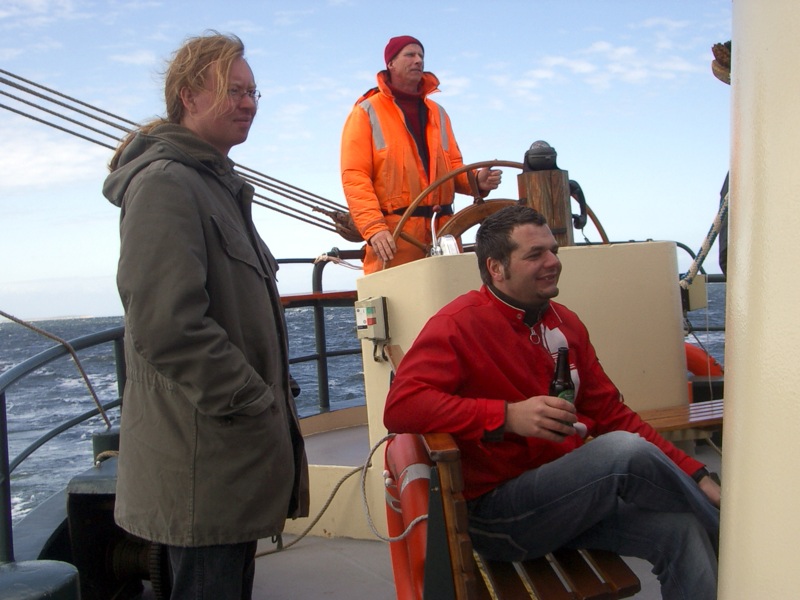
{"points": [[624, 440], [627, 447]]}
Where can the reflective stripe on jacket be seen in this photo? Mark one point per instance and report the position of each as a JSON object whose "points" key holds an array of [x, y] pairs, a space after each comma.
{"points": [[382, 170]]}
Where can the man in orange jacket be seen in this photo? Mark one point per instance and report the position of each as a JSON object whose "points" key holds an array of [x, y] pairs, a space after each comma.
{"points": [[395, 143]]}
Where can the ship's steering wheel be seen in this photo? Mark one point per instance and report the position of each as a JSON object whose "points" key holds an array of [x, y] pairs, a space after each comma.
{"points": [[475, 213], [465, 218]]}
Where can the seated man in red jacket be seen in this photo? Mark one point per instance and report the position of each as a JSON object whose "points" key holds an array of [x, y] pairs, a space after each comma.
{"points": [[480, 369]]}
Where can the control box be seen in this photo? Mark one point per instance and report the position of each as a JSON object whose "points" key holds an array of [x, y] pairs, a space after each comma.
{"points": [[371, 323]]}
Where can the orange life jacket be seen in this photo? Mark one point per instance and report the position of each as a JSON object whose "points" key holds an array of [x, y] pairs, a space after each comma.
{"points": [[382, 170]]}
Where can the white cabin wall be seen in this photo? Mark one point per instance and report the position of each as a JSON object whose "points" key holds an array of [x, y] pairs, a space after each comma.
{"points": [[761, 477]]}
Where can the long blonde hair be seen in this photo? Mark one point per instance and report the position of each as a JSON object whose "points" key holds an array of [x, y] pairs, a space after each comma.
{"points": [[191, 66], [194, 63]]}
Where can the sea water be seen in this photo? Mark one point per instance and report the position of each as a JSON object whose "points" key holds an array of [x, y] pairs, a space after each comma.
{"points": [[703, 320], [57, 392]]}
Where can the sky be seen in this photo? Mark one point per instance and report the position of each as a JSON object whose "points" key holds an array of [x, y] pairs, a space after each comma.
{"points": [[622, 89]]}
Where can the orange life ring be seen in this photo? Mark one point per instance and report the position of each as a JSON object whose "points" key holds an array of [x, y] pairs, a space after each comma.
{"points": [[699, 362], [408, 480]]}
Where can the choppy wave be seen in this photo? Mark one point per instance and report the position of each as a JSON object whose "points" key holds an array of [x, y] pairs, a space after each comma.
{"points": [[713, 316], [57, 392]]}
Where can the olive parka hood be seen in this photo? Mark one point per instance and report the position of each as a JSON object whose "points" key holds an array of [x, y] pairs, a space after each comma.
{"points": [[210, 450]]}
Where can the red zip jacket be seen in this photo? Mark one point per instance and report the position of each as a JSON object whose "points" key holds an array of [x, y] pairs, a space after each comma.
{"points": [[475, 355]]}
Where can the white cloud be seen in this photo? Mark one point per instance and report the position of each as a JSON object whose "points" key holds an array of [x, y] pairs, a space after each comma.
{"points": [[572, 65], [611, 52], [242, 27], [33, 158], [628, 64], [497, 103], [630, 73], [288, 18], [663, 23], [314, 86], [456, 85], [7, 54], [137, 57], [89, 296], [38, 13], [677, 64]]}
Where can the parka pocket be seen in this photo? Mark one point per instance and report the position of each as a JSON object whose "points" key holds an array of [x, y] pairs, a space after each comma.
{"points": [[237, 245], [243, 403]]}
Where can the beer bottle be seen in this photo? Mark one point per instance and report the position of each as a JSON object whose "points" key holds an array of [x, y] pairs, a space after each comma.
{"points": [[562, 386]]}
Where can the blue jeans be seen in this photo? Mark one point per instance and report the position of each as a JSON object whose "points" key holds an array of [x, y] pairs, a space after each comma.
{"points": [[213, 572], [620, 493]]}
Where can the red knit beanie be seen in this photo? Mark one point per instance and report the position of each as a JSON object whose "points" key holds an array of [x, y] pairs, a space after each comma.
{"points": [[398, 43]]}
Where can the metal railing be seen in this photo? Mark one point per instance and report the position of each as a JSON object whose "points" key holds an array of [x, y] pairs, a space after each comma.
{"points": [[317, 300], [322, 354], [12, 376]]}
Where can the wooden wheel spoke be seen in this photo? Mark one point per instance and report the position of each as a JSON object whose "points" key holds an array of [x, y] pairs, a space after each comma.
{"points": [[472, 215], [470, 170]]}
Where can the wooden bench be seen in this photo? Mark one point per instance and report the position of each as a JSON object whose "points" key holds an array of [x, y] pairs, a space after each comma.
{"points": [[452, 570], [697, 420]]}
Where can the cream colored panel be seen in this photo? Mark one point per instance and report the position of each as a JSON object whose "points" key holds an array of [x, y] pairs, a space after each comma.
{"points": [[629, 298], [414, 292], [627, 294]]}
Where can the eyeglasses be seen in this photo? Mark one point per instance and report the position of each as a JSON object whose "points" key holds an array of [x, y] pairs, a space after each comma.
{"points": [[238, 95]]}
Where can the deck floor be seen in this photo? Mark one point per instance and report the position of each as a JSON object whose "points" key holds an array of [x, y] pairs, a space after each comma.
{"points": [[341, 568], [344, 568], [348, 446], [325, 568]]}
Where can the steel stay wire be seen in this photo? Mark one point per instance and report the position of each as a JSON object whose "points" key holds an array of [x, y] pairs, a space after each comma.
{"points": [[256, 178]]}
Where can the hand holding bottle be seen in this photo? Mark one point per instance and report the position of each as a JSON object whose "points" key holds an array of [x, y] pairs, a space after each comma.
{"points": [[545, 417]]}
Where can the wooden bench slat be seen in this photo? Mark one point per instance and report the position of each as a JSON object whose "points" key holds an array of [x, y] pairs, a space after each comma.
{"points": [[544, 581], [615, 571], [504, 579], [581, 577], [699, 415], [479, 591]]}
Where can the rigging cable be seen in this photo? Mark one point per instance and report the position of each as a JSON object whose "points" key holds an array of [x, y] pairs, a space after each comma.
{"points": [[687, 279], [120, 126], [72, 353]]}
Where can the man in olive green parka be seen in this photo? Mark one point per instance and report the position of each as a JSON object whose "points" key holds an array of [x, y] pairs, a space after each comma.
{"points": [[211, 456]]}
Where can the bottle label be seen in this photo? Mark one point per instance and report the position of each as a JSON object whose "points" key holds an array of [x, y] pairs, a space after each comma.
{"points": [[568, 395]]}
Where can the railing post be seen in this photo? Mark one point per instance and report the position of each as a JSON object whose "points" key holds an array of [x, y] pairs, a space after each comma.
{"points": [[320, 339], [321, 343], [6, 530], [320, 336]]}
